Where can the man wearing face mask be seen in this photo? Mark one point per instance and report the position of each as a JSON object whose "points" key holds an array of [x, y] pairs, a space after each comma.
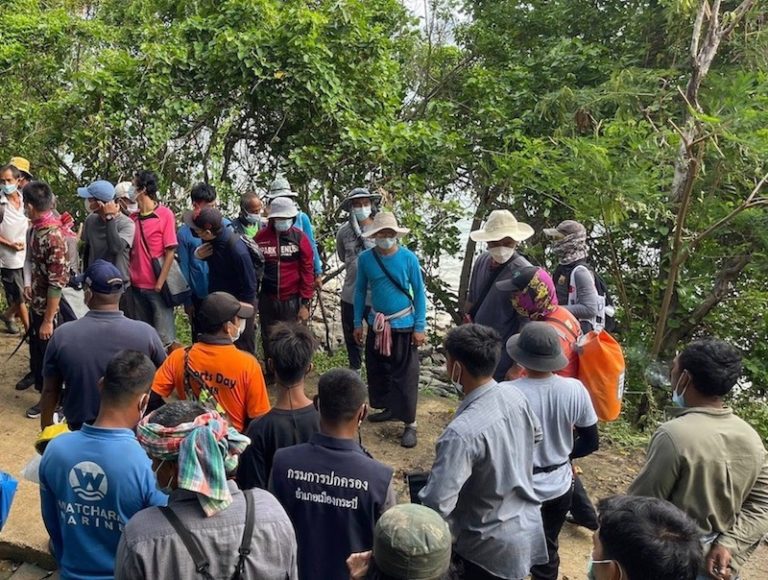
{"points": [[79, 351], [250, 221], [287, 287], [13, 248], [214, 371], [229, 265], [705, 450], [350, 242], [125, 196], [396, 323], [486, 304], [333, 490], [627, 545], [94, 480], [482, 481]]}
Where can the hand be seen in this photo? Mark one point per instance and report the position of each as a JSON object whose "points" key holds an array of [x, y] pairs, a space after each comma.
{"points": [[358, 563], [358, 334], [466, 319], [419, 339], [718, 562], [318, 281], [18, 246], [159, 287], [303, 314], [46, 330], [108, 208], [27, 294], [204, 252]]}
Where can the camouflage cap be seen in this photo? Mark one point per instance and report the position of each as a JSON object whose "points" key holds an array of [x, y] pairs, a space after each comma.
{"points": [[412, 542]]}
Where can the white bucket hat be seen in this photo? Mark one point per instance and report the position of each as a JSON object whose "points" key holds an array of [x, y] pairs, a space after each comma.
{"points": [[283, 207], [280, 188], [385, 220], [502, 224]]}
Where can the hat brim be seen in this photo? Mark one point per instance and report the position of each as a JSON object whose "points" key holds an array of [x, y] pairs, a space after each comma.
{"points": [[553, 233], [525, 359], [374, 197], [84, 193], [246, 311], [520, 233], [399, 232], [271, 196], [507, 286], [283, 214]]}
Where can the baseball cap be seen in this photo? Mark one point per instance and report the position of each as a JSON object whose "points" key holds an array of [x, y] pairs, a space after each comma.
{"points": [[220, 307], [100, 190], [102, 277], [208, 218], [412, 542], [565, 228], [22, 165]]}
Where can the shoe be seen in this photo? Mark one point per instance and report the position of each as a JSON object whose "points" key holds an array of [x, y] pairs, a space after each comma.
{"points": [[381, 416], [10, 326], [27, 381], [33, 412], [409, 438], [571, 520]]}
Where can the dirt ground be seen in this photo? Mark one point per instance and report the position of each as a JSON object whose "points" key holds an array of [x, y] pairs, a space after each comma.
{"points": [[606, 472]]}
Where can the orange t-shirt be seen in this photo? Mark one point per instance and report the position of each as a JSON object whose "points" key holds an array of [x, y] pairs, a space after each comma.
{"points": [[568, 330], [233, 376]]}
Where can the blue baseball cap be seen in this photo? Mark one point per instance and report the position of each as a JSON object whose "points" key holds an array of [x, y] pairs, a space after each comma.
{"points": [[102, 277], [101, 190]]}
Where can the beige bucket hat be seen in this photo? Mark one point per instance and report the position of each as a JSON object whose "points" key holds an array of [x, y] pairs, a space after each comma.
{"points": [[385, 220], [502, 224]]}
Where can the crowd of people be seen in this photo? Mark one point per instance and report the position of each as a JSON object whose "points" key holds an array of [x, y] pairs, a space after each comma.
{"points": [[175, 463]]}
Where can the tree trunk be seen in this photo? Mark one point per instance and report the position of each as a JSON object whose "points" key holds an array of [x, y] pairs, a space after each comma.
{"points": [[469, 251]]}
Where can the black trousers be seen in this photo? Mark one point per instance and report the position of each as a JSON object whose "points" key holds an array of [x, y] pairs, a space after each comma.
{"points": [[582, 510], [467, 570], [354, 350], [37, 348], [272, 310], [393, 381], [553, 514]]}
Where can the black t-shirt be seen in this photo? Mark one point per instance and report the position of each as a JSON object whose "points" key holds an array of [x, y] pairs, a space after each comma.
{"points": [[277, 429]]}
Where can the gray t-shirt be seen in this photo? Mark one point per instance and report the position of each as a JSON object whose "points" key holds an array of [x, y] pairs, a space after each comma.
{"points": [[348, 248], [109, 240], [560, 405]]}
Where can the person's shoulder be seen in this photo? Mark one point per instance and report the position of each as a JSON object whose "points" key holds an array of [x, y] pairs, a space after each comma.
{"points": [[121, 218], [266, 506], [290, 454], [344, 229], [165, 212], [146, 525], [61, 446], [92, 219]]}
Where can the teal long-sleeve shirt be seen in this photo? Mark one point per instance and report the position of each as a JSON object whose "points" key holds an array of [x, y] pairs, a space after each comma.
{"points": [[404, 267]]}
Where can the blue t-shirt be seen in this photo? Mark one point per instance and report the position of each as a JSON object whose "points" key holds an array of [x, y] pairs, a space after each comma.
{"points": [[302, 222], [92, 482], [404, 267], [79, 352], [194, 269]]}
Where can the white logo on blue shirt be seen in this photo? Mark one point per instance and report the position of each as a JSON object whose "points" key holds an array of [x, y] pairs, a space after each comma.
{"points": [[88, 481]]}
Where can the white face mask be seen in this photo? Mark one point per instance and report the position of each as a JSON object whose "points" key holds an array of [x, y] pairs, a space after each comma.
{"points": [[386, 243], [501, 254], [240, 329], [87, 204], [456, 378]]}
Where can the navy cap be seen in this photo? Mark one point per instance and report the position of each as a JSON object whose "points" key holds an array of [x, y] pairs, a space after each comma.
{"points": [[101, 190], [102, 277]]}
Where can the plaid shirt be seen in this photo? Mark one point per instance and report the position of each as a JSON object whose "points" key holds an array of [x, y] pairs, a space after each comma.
{"points": [[49, 266]]}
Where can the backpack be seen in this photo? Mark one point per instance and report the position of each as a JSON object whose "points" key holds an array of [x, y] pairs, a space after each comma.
{"points": [[601, 369], [605, 308], [257, 256]]}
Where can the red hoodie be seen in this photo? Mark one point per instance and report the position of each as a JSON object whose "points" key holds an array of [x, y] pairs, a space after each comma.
{"points": [[288, 270]]}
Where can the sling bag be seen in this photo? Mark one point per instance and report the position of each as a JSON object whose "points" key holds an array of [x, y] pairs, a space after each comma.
{"points": [[205, 396], [176, 290], [195, 550], [391, 278]]}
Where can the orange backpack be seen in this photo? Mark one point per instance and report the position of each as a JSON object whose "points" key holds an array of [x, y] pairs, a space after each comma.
{"points": [[601, 369]]}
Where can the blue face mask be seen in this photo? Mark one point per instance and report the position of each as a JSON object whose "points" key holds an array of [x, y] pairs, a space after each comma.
{"points": [[386, 243], [678, 399], [253, 218], [8, 189], [362, 213], [283, 225], [591, 572]]}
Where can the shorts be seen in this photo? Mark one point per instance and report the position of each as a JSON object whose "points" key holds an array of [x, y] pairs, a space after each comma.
{"points": [[13, 284]]}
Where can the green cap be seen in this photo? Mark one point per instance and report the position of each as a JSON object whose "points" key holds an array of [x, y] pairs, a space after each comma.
{"points": [[412, 542]]}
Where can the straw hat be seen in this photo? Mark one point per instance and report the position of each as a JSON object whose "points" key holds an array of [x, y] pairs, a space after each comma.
{"points": [[502, 224], [385, 220]]}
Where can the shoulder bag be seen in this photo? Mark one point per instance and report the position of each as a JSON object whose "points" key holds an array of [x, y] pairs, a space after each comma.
{"points": [[176, 290]]}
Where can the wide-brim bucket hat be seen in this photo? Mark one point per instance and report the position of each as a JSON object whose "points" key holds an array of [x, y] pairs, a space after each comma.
{"points": [[537, 347], [359, 193], [282, 207], [385, 220], [502, 224]]}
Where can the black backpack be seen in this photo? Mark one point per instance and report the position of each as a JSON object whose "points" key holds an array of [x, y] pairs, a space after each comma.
{"points": [[610, 323]]}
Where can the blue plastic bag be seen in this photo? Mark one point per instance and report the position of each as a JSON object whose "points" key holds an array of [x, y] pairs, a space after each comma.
{"points": [[8, 487]]}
